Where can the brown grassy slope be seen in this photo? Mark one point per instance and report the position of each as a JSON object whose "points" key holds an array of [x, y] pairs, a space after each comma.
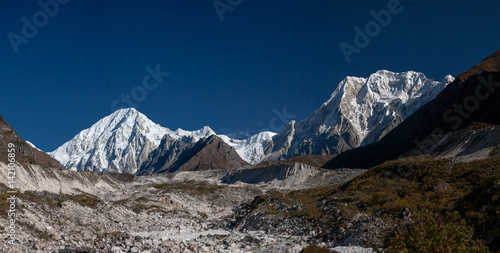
{"points": [[396, 188]]}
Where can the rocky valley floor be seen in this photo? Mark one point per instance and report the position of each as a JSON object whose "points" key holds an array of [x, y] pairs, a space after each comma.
{"points": [[183, 212]]}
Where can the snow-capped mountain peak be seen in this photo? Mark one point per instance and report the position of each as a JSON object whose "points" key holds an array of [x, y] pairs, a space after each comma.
{"points": [[116, 143], [359, 111]]}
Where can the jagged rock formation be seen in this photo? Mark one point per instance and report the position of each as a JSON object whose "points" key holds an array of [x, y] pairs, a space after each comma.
{"points": [[359, 112]]}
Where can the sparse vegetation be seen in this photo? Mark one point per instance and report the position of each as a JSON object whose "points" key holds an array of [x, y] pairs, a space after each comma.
{"points": [[57, 200], [401, 187], [50, 200], [436, 233], [481, 208], [415, 184], [495, 151]]}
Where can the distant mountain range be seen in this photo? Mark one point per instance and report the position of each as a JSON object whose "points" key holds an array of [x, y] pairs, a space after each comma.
{"points": [[123, 141], [360, 111]]}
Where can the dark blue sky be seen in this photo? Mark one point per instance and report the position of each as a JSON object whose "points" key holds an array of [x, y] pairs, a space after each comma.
{"points": [[227, 74]]}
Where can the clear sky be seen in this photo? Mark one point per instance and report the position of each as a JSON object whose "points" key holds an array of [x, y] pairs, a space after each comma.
{"points": [[74, 62]]}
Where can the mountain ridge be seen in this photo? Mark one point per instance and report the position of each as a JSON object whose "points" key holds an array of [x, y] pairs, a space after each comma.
{"points": [[359, 111], [122, 141]]}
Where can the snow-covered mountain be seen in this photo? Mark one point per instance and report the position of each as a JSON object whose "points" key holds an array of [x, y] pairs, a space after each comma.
{"points": [[122, 141], [253, 149], [119, 142], [360, 111]]}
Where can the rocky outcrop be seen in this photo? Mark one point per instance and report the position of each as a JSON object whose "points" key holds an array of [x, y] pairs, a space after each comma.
{"points": [[165, 155], [186, 155]]}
